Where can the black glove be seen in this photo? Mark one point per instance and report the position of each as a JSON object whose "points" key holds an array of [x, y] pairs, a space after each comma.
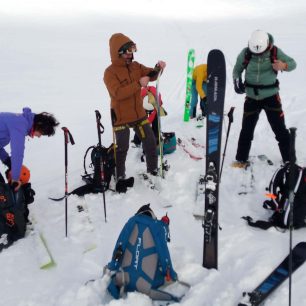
{"points": [[8, 163], [203, 106], [203, 101], [154, 72], [29, 193], [121, 186], [239, 86]]}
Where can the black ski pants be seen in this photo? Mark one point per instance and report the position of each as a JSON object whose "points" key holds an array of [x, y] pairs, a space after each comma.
{"points": [[273, 109], [154, 125], [146, 135]]}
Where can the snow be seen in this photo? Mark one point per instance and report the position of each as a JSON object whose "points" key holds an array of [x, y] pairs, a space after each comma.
{"points": [[52, 58]]}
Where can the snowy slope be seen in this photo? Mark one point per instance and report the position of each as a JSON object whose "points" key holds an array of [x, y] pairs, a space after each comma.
{"points": [[52, 58]]}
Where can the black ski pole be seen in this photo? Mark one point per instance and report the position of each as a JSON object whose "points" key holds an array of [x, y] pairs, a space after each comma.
{"points": [[100, 179], [291, 200], [160, 139], [230, 120], [67, 137]]}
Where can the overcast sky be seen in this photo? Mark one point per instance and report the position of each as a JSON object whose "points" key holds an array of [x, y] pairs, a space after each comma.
{"points": [[198, 9]]}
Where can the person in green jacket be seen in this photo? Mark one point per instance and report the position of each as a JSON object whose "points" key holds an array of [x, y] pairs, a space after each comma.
{"points": [[261, 61]]}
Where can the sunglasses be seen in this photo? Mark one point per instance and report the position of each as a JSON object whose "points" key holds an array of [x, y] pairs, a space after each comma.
{"points": [[129, 49]]}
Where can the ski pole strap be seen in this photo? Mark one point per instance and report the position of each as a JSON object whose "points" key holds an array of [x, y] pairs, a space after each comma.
{"points": [[123, 127], [264, 225], [256, 87]]}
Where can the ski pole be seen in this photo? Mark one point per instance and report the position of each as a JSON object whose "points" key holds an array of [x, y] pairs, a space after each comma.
{"points": [[115, 153], [100, 180], [67, 138], [230, 119], [291, 200], [160, 140]]}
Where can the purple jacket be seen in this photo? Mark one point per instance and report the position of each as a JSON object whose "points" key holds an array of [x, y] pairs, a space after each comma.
{"points": [[13, 129]]}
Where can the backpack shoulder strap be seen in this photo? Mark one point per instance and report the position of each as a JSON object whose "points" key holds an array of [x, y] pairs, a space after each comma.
{"points": [[160, 233], [262, 224], [273, 54], [247, 57]]}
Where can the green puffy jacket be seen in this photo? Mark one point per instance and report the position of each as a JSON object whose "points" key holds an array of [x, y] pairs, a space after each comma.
{"points": [[259, 71]]}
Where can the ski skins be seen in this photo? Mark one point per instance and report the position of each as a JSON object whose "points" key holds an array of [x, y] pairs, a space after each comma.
{"points": [[216, 81], [190, 65]]}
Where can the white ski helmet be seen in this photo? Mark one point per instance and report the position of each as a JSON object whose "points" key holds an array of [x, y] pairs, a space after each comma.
{"points": [[259, 41]]}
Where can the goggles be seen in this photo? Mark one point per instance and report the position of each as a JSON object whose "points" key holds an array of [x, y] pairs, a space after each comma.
{"points": [[128, 48]]}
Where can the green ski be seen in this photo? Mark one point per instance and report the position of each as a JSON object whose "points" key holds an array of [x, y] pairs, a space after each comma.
{"points": [[190, 65]]}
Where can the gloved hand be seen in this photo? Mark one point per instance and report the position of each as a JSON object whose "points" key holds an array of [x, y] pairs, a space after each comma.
{"points": [[15, 185], [29, 193], [203, 101], [8, 163], [239, 86], [121, 186], [203, 106]]}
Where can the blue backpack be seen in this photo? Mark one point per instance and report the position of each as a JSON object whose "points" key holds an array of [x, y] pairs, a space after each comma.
{"points": [[141, 260]]}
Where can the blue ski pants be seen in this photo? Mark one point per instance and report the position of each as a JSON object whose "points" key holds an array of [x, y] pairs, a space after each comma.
{"points": [[194, 99]]}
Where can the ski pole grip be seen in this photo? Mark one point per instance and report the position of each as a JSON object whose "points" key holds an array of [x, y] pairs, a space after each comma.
{"points": [[100, 127], [98, 115], [68, 136], [231, 114]]}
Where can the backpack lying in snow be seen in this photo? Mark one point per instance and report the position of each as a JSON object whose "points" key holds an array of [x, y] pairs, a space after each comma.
{"points": [[169, 143], [98, 181], [101, 158], [14, 212], [141, 260], [279, 199]]}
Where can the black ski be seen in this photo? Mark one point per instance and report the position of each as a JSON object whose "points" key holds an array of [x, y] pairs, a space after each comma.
{"points": [[216, 80], [276, 278]]}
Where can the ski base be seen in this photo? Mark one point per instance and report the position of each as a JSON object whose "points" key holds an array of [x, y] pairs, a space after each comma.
{"points": [[276, 278], [191, 149]]}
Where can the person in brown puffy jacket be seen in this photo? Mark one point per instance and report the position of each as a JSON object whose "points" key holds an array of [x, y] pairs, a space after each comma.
{"points": [[124, 79]]}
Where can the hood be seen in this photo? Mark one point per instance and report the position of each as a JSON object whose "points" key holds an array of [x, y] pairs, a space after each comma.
{"points": [[29, 116], [115, 43]]}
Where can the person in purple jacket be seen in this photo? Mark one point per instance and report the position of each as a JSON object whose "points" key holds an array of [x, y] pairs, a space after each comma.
{"points": [[14, 127]]}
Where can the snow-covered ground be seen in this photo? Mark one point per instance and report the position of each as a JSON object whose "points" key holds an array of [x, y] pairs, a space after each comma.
{"points": [[52, 58]]}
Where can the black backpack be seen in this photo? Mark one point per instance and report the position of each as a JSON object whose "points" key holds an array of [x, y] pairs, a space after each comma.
{"points": [[101, 158], [278, 194], [14, 212]]}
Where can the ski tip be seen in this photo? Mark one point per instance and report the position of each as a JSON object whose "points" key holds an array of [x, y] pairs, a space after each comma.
{"points": [[48, 265]]}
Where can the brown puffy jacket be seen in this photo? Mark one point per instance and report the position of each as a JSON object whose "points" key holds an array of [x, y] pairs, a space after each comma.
{"points": [[122, 83]]}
